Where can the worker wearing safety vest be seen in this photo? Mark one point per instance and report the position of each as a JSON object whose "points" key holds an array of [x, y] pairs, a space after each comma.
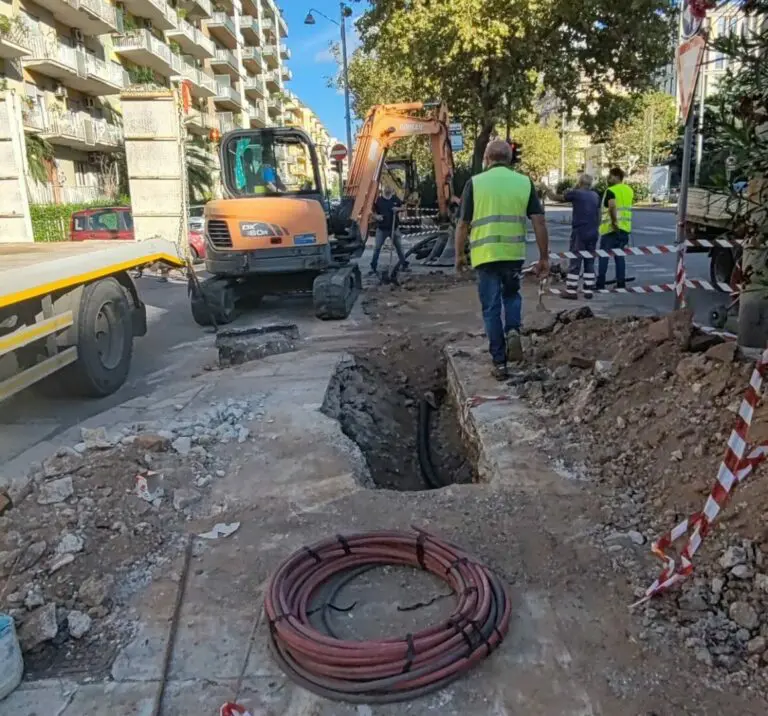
{"points": [[616, 226], [494, 207]]}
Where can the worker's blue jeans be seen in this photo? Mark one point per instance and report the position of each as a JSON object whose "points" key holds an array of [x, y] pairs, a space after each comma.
{"points": [[498, 284], [381, 236], [615, 240]]}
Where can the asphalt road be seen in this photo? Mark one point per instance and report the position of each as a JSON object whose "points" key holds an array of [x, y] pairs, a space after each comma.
{"points": [[650, 228], [175, 345]]}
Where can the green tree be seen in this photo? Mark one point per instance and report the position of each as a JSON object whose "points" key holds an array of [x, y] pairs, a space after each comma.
{"points": [[645, 134], [40, 158], [485, 57], [540, 148], [201, 169]]}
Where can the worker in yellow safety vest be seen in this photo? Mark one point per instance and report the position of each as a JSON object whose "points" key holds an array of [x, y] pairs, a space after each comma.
{"points": [[495, 206], [616, 226]]}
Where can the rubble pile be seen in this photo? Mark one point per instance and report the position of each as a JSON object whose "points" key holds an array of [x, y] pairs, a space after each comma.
{"points": [[97, 517], [643, 408]]}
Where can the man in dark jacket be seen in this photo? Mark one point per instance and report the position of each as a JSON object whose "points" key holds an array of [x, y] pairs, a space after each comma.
{"points": [[385, 207]]}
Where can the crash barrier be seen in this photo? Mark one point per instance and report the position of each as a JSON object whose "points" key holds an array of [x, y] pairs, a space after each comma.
{"points": [[414, 223], [738, 464], [681, 282]]}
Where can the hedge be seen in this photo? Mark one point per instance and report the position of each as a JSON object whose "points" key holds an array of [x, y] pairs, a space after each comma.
{"points": [[640, 188], [50, 222]]}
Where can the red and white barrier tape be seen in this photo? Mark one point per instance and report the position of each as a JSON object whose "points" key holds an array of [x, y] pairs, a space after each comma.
{"points": [[659, 288], [715, 332], [658, 250], [738, 463], [415, 210], [680, 301]]}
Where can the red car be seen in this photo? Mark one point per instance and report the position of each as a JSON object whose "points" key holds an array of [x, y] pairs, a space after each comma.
{"points": [[116, 223]]}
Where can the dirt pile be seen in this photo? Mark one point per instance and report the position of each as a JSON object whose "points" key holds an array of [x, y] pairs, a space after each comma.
{"points": [[95, 521], [644, 408]]}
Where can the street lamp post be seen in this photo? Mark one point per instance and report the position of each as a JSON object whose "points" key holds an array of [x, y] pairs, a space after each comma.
{"points": [[344, 12]]}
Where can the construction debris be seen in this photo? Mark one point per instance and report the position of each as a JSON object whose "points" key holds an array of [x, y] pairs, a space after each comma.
{"points": [[651, 424]]}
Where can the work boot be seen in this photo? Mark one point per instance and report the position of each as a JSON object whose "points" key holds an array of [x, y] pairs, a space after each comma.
{"points": [[621, 284], [499, 371], [514, 347]]}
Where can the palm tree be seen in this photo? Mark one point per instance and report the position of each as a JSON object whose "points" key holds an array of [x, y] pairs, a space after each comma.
{"points": [[39, 158], [201, 168]]}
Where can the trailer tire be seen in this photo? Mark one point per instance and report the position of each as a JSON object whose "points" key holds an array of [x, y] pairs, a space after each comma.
{"points": [[721, 265], [104, 331]]}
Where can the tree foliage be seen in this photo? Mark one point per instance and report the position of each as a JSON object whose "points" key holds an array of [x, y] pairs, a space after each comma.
{"points": [[485, 57], [201, 169], [540, 148], [645, 133], [40, 158]]}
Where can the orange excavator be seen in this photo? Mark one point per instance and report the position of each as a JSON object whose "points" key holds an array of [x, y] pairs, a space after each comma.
{"points": [[275, 232]]}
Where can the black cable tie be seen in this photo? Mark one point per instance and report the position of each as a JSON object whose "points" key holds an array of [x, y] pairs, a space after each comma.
{"points": [[456, 562], [344, 544], [469, 590], [460, 630], [273, 622], [420, 551], [482, 636], [313, 554], [410, 654]]}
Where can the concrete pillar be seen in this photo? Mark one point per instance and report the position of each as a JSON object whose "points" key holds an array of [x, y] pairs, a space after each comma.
{"points": [[15, 221], [154, 139]]}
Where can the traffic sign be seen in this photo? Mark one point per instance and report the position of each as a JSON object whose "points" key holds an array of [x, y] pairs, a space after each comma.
{"points": [[339, 152], [456, 135], [689, 56]]}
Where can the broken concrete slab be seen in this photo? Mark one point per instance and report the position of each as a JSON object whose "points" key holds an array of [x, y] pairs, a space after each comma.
{"points": [[242, 345], [40, 626]]}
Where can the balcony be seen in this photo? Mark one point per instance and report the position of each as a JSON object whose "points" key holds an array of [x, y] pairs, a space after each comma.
{"points": [[191, 40], [202, 85], [143, 48], [257, 115], [93, 17], [285, 52], [223, 29], [254, 87], [225, 62], [227, 97], [197, 8], [283, 25], [163, 16], [14, 42], [252, 59], [249, 27], [273, 81], [198, 122], [274, 108], [269, 52], [74, 68], [268, 28], [286, 74], [77, 130], [226, 121]]}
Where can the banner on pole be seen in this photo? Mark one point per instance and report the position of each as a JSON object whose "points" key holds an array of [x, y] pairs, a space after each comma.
{"points": [[689, 56]]}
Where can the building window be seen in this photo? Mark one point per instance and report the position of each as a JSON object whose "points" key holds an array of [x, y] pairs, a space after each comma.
{"points": [[81, 173]]}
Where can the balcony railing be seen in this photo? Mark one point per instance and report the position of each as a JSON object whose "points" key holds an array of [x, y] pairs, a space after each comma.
{"points": [[287, 74], [253, 85], [253, 54], [195, 39], [109, 72], [228, 92], [47, 194], [285, 52], [227, 56], [226, 121], [257, 113], [77, 126], [99, 8], [267, 25], [144, 40], [221, 18]]}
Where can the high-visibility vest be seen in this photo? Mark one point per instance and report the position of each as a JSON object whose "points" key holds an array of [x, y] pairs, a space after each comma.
{"points": [[499, 218], [624, 199]]}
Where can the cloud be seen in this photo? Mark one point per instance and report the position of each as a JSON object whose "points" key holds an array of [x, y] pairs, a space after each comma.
{"points": [[325, 56]]}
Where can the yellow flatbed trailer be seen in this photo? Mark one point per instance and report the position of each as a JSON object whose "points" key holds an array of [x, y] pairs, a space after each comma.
{"points": [[73, 307]]}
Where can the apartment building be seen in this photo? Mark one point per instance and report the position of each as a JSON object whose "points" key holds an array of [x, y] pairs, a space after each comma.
{"points": [[69, 60], [300, 115]]}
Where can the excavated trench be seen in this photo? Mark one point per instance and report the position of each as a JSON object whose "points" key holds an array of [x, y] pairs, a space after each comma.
{"points": [[394, 404]]}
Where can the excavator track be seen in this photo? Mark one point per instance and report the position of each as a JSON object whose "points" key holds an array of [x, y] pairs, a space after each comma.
{"points": [[335, 291], [217, 296]]}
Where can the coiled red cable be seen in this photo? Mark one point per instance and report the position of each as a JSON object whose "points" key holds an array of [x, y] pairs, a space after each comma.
{"points": [[384, 670]]}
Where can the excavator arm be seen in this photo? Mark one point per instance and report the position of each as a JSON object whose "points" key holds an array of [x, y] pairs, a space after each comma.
{"points": [[383, 127]]}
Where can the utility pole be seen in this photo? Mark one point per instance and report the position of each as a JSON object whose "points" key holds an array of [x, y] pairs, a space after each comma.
{"points": [[702, 99], [345, 12], [562, 146], [650, 141]]}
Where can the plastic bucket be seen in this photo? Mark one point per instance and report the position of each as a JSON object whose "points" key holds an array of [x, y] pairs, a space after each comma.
{"points": [[11, 663]]}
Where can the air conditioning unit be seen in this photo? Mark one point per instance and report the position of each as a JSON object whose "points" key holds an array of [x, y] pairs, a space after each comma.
{"points": [[90, 102], [78, 35], [93, 157], [60, 92]]}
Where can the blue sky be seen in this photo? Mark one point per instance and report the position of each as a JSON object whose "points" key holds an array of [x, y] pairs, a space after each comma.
{"points": [[312, 62]]}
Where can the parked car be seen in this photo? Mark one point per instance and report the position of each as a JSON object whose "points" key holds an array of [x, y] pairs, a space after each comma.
{"points": [[115, 223], [196, 218]]}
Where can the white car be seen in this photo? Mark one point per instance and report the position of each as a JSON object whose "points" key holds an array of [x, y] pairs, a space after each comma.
{"points": [[196, 218]]}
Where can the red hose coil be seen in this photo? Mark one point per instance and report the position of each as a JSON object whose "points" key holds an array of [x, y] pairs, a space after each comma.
{"points": [[384, 670]]}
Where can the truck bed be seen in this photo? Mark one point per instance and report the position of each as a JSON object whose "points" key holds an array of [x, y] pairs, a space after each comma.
{"points": [[712, 208], [28, 270]]}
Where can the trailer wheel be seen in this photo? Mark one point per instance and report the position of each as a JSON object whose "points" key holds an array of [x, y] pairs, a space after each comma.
{"points": [[721, 265], [104, 333]]}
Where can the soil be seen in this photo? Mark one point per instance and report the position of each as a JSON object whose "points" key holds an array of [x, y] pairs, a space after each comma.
{"points": [[375, 396]]}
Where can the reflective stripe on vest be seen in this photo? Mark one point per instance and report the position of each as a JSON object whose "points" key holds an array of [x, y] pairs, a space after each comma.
{"points": [[624, 199], [499, 218]]}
